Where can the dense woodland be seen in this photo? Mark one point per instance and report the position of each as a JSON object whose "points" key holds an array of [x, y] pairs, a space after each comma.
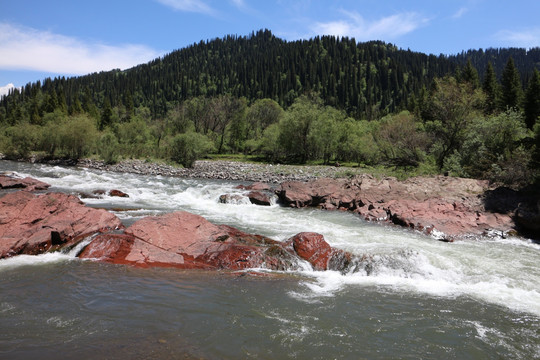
{"points": [[326, 100]]}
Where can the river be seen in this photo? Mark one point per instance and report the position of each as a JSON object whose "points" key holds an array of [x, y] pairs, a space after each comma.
{"points": [[474, 299]]}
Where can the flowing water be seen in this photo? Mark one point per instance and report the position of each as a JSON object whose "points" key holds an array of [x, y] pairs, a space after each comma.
{"points": [[475, 299]]}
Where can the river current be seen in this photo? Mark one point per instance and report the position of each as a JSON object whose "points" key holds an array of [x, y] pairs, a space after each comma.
{"points": [[473, 299]]}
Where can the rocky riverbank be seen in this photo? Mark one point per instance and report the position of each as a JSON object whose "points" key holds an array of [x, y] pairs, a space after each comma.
{"points": [[445, 207], [222, 170]]}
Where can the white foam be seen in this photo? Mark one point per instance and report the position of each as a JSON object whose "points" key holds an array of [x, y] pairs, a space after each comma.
{"points": [[498, 271], [43, 259]]}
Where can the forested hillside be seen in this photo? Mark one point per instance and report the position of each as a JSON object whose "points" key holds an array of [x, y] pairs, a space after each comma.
{"points": [[365, 79], [325, 99]]}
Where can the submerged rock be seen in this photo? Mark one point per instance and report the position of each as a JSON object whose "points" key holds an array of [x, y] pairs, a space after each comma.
{"points": [[260, 198], [117, 193], [33, 224], [236, 199]]}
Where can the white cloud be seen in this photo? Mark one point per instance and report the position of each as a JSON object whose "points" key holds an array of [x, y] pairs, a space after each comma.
{"points": [[5, 89], [526, 38], [383, 29], [239, 3], [197, 6], [24, 48], [460, 13]]}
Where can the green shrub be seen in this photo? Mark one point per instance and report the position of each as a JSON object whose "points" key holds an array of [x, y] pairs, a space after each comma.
{"points": [[186, 148], [107, 148], [23, 138], [77, 136]]}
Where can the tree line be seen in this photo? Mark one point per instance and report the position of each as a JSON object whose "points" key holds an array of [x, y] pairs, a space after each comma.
{"points": [[451, 119]]}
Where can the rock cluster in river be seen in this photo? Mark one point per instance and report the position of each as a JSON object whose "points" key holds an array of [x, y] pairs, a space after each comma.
{"points": [[38, 223], [445, 207]]}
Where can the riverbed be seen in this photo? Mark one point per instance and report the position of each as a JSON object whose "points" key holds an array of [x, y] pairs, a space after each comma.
{"points": [[474, 299]]}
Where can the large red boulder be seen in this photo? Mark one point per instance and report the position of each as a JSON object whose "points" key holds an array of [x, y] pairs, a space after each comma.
{"points": [[27, 183], [186, 240], [33, 224]]}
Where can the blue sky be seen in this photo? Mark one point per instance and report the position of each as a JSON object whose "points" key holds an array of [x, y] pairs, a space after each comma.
{"points": [[40, 39]]}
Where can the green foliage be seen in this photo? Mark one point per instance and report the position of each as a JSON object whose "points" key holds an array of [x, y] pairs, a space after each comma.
{"points": [[493, 149], [51, 135], [77, 136], [233, 92], [23, 138], [106, 115], [401, 140], [449, 109], [186, 148], [261, 114], [535, 158], [237, 126], [269, 146], [469, 74], [134, 137], [107, 148], [492, 90], [512, 91], [295, 128], [324, 134], [356, 142], [532, 101]]}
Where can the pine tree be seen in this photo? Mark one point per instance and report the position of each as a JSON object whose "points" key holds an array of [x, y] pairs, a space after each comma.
{"points": [[511, 86], [491, 88], [532, 100], [75, 107], [106, 114], [469, 74]]}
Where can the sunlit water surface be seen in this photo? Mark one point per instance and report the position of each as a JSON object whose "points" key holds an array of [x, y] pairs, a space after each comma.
{"points": [[475, 299]]}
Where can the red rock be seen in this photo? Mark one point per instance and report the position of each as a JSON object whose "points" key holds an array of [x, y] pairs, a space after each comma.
{"points": [[259, 186], [29, 184], [259, 198], [447, 205], [117, 193], [126, 249], [33, 224], [189, 241], [313, 248]]}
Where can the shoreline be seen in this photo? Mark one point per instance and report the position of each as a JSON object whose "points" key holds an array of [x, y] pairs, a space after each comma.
{"points": [[456, 207], [224, 170]]}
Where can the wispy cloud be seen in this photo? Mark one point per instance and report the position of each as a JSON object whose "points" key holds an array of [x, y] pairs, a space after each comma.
{"points": [[239, 3], [382, 29], [5, 89], [527, 38], [197, 6], [25, 48], [462, 11]]}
